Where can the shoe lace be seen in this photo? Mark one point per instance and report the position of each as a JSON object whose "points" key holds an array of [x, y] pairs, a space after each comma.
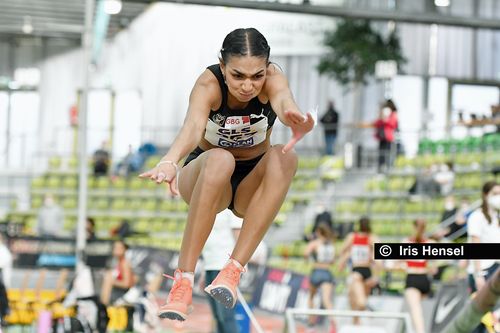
{"points": [[178, 290], [232, 272]]}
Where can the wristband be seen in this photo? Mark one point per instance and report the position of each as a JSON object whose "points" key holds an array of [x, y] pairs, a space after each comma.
{"points": [[169, 162]]}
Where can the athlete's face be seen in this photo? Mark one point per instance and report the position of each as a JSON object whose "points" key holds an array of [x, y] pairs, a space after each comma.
{"points": [[245, 76]]}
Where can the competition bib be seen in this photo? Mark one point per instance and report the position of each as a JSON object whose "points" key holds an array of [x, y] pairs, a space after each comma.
{"points": [[360, 254], [236, 131]]}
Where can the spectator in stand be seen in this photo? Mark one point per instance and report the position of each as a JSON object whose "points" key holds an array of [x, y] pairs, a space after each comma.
{"points": [[322, 216], [445, 178], [330, 122], [90, 229], [126, 166], [385, 129], [425, 183], [101, 160], [122, 230], [483, 227], [50, 218], [399, 146]]}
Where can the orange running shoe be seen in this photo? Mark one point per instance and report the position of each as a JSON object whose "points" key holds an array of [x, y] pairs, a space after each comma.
{"points": [[180, 299], [223, 288]]}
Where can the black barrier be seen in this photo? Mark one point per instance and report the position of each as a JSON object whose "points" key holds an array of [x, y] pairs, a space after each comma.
{"points": [[35, 252], [271, 289], [278, 289]]}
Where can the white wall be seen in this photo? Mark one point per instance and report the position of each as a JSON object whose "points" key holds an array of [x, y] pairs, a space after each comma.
{"points": [[166, 48]]}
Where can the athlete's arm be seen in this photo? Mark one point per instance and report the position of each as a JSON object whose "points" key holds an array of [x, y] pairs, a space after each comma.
{"points": [[286, 109], [378, 264], [344, 251], [310, 248], [204, 96], [346, 246]]}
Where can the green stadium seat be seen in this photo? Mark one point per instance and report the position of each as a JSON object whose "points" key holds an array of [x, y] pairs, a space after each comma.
{"points": [[55, 163], [70, 223], [72, 163], [150, 205], [38, 182], [136, 183], [143, 225], [151, 162], [135, 204], [69, 203], [53, 182], [36, 201], [70, 182], [119, 204], [286, 207], [120, 183], [103, 183]]}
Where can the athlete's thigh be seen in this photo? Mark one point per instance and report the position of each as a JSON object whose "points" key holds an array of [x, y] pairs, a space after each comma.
{"points": [[326, 291], [189, 176]]}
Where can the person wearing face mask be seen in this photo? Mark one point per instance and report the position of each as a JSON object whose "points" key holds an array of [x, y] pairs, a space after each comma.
{"points": [[483, 227], [445, 178], [50, 218]]}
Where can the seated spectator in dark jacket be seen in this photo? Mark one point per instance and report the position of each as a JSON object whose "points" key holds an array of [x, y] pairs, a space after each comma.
{"points": [[101, 161]]}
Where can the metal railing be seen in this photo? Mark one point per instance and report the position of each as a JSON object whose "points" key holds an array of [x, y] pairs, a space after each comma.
{"points": [[291, 312]]}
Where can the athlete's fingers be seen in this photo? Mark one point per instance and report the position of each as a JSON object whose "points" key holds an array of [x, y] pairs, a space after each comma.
{"points": [[173, 186], [146, 174], [290, 144], [294, 117], [160, 177]]}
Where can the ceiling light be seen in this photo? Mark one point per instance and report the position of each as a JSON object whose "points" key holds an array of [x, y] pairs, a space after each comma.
{"points": [[27, 26], [112, 7], [442, 3]]}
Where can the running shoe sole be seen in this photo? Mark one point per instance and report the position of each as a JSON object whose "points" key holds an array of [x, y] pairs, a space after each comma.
{"points": [[222, 295], [174, 315]]}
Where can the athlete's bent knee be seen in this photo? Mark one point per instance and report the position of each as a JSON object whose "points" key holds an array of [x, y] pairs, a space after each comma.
{"points": [[219, 161]]}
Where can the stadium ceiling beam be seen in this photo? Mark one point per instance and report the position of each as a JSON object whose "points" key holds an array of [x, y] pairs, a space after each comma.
{"points": [[355, 13]]}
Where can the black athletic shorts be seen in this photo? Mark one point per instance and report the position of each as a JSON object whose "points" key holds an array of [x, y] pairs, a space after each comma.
{"points": [[365, 272], [241, 170], [420, 282]]}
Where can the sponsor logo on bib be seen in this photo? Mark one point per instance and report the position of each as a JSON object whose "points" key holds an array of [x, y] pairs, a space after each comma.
{"points": [[236, 121]]}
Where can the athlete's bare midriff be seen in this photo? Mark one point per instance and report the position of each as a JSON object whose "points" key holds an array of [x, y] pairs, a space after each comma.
{"points": [[244, 153]]}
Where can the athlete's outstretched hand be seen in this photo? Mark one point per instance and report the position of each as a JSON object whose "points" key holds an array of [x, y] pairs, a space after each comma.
{"points": [[300, 125], [164, 172]]}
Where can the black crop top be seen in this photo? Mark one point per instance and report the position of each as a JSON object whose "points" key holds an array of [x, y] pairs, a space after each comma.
{"points": [[245, 127]]}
